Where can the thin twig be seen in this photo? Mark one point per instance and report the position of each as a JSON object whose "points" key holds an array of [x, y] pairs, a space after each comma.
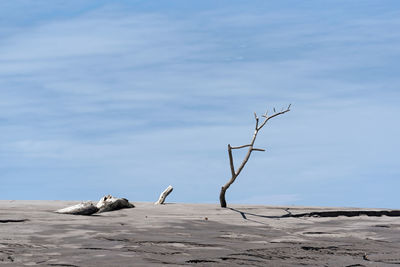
{"points": [[255, 116], [267, 118], [237, 147]]}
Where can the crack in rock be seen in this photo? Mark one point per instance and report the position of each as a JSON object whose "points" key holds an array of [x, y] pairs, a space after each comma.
{"points": [[238, 259], [13, 220], [347, 213], [97, 248], [63, 264], [199, 261], [316, 233], [318, 248]]}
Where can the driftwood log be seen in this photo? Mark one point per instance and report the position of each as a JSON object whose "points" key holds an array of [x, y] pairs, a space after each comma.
{"points": [[106, 203], [164, 195], [84, 208], [110, 203]]}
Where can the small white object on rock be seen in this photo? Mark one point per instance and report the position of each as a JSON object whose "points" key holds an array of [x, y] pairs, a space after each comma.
{"points": [[164, 195], [84, 208]]}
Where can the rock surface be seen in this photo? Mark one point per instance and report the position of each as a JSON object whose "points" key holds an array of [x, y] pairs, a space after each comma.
{"points": [[197, 234]]}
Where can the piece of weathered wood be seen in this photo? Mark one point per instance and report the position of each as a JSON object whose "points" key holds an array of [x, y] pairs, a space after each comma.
{"points": [[164, 195], [84, 208], [106, 203], [110, 203]]}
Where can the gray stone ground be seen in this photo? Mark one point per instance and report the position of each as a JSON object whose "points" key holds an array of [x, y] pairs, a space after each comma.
{"points": [[194, 234]]}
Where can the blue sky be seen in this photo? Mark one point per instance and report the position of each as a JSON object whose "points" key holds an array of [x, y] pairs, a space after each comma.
{"points": [[127, 97]]}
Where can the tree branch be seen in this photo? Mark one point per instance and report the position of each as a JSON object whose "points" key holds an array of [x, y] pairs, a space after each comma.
{"points": [[267, 118], [237, 147], [231, 160], [246, 158], [258, 149], [255, 116]]}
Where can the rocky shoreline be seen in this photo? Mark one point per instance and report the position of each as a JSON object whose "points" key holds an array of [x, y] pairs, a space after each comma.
{"points": [[197, 234]]}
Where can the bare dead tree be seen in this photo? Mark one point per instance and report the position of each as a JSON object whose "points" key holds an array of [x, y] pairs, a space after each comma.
{"points": [[235, 173]]}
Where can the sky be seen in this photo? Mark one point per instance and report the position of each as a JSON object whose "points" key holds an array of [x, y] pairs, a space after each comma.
{"points": [[128, 97]]}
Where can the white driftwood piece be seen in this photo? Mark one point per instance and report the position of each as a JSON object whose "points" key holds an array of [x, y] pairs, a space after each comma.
{"points": [[110, 203], [164, 195], [106, 203], [84, 208]]}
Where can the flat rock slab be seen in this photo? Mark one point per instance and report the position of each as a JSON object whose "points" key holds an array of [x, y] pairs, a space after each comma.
{"points": [[196, 234]]}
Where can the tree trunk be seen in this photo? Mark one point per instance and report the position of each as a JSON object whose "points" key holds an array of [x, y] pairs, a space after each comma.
{"points": [[222, 197]]}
